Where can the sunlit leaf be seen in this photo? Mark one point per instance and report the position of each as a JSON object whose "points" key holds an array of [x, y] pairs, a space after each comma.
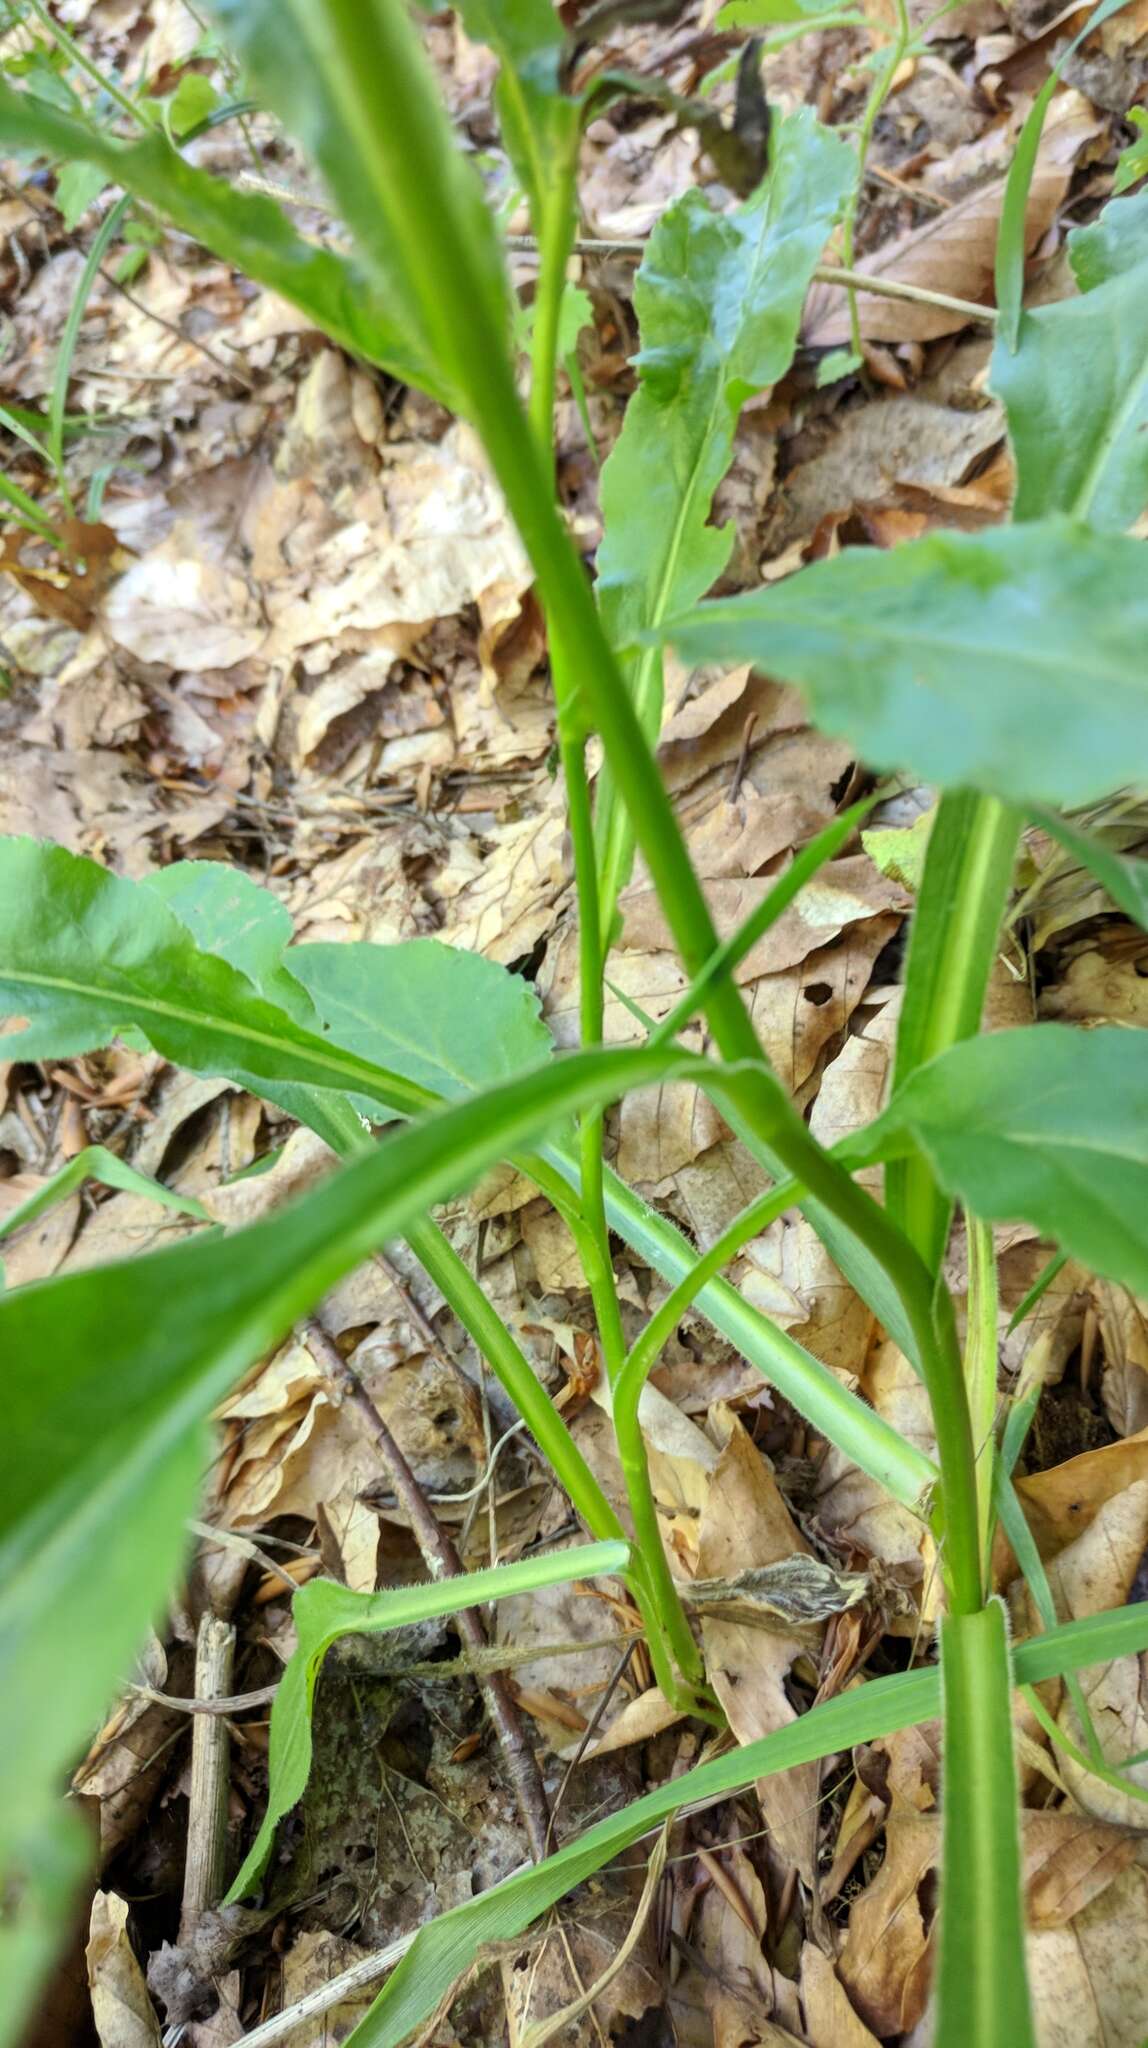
{"points": [[1010, 661]]}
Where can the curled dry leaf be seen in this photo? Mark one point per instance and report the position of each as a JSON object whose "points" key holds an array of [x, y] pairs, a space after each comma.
{"points": [[121, 2007]]}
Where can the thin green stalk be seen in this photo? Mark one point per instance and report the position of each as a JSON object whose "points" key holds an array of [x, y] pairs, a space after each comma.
{"points": [[874, 104], [981, 1368], [952, 945], [84, 63], [58, 399], [555, 234], [1097, 1767], [1032, 1570]]}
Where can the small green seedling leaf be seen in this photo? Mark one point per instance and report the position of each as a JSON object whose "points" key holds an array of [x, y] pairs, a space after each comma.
{"points": [[1010, 661], [78, 186], [190, 104], [1133, 161], [324, 1612]]}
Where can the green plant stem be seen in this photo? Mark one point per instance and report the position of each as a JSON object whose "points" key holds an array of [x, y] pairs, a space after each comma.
{"points": [[466, 1299], [61, 376], [874, 104], [84, 63], [952, 946], [1096, 1767], [443, 271], [555, 234], [981, 1368]]}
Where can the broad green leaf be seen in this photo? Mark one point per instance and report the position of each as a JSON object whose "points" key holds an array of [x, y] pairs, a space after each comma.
{"points": [[244, 228], [323, 1612], [1133, 161], [86, 955], [227, 912], [111, 1373], [952, 945], [77, 186], [982, 1991], [1116, 241], [446, 1020], [1075, 388], [719, 300], [95, 1162], [1011, 232], [444, 1950], [1012, 662], [1125, 880], [319, 67], [1047, 1125]]}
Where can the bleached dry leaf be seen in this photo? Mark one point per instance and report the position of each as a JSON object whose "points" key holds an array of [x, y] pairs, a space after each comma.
{"points": [[174, 607], [121, 2007]]}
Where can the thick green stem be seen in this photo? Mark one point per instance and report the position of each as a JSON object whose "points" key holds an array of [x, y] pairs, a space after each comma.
{"points": [[981, 1368], [555, 236], [952, 946]]}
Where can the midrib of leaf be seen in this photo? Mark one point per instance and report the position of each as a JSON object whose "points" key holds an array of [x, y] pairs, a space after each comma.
{"points": [[1094, 475], [937, 643], [368, 1075]]}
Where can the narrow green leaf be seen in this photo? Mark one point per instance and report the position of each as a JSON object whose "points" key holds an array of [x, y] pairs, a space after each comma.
{"points": [[1075, 388], [1125, 880], [1133, 161], [539, 123], [952, 946], [1048, 1125], [86, 956], [323, 1612], [1010, 661], [243, 227], [95, 1162], [444, 1950], [318, 68], [1011, 249], [719, 300], [982, 1992], [110, 1377]]}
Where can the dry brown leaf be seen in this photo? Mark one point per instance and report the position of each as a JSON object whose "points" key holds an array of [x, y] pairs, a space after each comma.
{"points": [[1061, 1503], [1088, 1983], [121, 2007], [745, 1522], [905, 451], [829, 2017], [955, 251]]}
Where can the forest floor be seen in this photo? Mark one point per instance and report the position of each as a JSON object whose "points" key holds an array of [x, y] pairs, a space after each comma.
{"points": [[307, 645]]}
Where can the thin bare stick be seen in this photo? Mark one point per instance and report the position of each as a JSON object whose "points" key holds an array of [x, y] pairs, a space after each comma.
{"points": [[443, 1562], [204, 1870]]}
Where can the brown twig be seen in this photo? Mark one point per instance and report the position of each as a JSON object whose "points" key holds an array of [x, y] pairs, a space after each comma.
{"points": [[204, 1872], [443, 1562]]}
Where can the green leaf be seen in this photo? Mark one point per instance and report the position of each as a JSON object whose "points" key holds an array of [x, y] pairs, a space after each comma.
{"points": [[1047, 1125], [539, 123], [86, 955], [444, 1950], [95, 1162], [1010, 661], [1125, 880], [1133, 161], [77, 187], [318, 67], [766, 13], [447, 1021], [230, 914], [719, 300], [243, 227], [111, 1373], [1075, 387], [982, 1991], [323, 1612], [1011, 236], [192, 101]]}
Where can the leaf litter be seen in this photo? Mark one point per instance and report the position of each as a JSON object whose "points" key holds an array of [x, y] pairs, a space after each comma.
{"points": [[312, 651]]}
